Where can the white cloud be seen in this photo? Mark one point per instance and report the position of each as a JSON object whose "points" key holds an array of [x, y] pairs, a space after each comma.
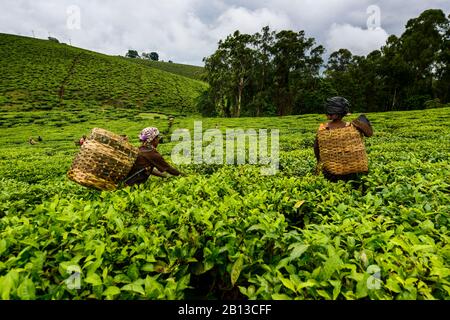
{"points": [[359, 41], [249, 21], [185, 31]]}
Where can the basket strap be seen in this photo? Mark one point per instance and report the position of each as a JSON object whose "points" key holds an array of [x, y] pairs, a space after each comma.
{"points": [[135, 174]]}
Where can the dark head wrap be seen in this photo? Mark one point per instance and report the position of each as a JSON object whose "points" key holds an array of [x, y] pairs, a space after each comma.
{"points": [[337, 105]]}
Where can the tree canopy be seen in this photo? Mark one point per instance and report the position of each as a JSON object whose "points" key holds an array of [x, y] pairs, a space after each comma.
{"points": [[150, 56], [282, 73], [132, 54]]}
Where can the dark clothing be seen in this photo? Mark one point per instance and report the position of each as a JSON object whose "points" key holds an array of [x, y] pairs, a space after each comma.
{"points": [[146, 162], [364, 126], [334, 177]]}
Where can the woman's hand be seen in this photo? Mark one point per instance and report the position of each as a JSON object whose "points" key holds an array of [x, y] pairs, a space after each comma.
{"points": [[157, 173]]}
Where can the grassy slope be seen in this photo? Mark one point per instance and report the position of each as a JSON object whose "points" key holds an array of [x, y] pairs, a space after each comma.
{"points": [[185, 70], [39, 74]]}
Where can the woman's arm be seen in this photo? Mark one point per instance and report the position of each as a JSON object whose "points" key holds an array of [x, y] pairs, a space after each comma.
{"points": [[363, 124], [161, 165]]}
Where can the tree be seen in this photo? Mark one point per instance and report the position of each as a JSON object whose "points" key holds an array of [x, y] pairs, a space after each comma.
{"points": [[341, 73], [422, 43], [241, 57], [297, 63], [278, 72], [403, 75], [258, 73], [340, 60], [132, 54], [218, 75], [262, 79], [443, 67], [229, 71], [396, 73], [154, 56]]}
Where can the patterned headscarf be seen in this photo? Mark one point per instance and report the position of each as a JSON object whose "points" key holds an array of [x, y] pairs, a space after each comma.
{"points": [[148, 134]]}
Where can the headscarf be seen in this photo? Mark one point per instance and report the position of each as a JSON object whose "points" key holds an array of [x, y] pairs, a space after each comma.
{"points": [[148, 134], [337, 105]]}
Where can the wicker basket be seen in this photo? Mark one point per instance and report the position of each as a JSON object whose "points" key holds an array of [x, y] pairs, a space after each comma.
{"points": [[104, 160], [342, 150]]}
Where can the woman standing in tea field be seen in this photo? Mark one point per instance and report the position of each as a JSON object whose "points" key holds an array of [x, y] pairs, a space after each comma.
{"points": [[338, 147]]}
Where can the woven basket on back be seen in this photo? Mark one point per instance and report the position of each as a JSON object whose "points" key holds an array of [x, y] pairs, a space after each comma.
{"points": [[342, 150], [104, 160]]}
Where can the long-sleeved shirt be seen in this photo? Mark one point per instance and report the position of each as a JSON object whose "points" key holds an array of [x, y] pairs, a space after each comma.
{"points": [[146, 162]]}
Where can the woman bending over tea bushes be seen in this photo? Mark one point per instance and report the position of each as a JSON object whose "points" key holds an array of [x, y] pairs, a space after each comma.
{"points": [[149, 160]]}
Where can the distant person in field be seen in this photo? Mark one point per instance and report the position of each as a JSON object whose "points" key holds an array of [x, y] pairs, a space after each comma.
{"points": [[31, 141], [82, 140], [168, 130], [149, 160], [338, 147]]}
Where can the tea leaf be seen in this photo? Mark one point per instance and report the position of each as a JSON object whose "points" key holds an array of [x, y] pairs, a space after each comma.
{"points": [[236, 269]]}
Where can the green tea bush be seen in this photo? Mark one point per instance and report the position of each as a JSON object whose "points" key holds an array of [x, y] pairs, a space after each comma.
{"points": [[225, 231]]}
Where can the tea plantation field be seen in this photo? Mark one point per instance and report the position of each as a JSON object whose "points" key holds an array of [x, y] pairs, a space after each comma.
{"points": [[225, 231], [42, 75], [185, 70]]}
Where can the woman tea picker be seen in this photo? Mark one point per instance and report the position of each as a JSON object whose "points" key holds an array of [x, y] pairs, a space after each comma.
{"points": [[339, 147], [149, 160]]}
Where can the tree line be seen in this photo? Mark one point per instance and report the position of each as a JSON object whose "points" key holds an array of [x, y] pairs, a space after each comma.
{"points": [[283, 73], [154, 56]]}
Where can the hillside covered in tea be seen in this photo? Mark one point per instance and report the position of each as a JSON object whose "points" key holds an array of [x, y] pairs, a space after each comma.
{"points": [[42, 75]]}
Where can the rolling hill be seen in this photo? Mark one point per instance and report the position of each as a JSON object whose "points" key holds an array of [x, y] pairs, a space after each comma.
{"points": [[185, 70], [42, 75]]}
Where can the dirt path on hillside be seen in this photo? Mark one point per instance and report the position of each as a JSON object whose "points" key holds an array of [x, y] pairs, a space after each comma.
{"points": [[68, 76]]}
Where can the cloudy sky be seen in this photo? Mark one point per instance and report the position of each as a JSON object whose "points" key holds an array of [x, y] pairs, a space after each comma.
{"points": [[185, 31]]}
